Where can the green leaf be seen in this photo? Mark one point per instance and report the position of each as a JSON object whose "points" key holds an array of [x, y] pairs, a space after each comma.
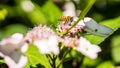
{"points": [[52, 12], [37, 16], [116, 48], [15, 28], [2, 34], [35, 58], [91, 62], [112, 23], [10, 10], [107, 64], [57, 62], [3, 14], [2, 61]]}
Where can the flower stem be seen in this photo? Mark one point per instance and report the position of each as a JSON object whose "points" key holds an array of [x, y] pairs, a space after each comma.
{"points": [[54, 61], [68, 50], [82, 15], [49, 59], [81, 61]]}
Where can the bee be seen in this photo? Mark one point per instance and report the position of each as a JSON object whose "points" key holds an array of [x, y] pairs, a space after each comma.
{"points": [[66, 19]]}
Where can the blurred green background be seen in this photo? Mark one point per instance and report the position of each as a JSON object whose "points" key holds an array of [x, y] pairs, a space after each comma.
{"points": [[21, 15]]}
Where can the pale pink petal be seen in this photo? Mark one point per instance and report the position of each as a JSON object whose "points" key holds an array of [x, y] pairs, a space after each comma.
{"points": [[19, 63], [24, 47], [44, 38], [69, 9], [10, 50], [53, 45], [27, 6], [42, 45], [88, 49]]}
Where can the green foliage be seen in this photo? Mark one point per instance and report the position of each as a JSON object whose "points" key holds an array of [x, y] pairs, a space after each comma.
{"points": [[116, 48], [37, 16], [2, 61], [51, 12], [2, 34], [3, 14], [34, 58], [46, 14], [107, 64], [89, 62], [14, 19], [112, 23], [15, 28]]}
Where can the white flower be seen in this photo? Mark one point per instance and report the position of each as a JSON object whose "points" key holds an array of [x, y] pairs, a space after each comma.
{"points": [[47, 46], [11, 50], [69, 9], [81, 23], [88, 49], [27, 5], [44, 38], [69, 41]]}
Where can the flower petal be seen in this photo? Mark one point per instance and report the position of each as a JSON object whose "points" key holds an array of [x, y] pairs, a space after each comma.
{"points": [[21, 61], [53, 45], [42, 46], [88, 49]]}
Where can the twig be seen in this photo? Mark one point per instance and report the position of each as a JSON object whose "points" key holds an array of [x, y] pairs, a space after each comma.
{"points": [[64, 57], [49, 59]]}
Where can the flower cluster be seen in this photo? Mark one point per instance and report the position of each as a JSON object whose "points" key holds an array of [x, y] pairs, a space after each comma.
{"points": [[75, 40], [65, 26], [12, 48], [46, 40]]}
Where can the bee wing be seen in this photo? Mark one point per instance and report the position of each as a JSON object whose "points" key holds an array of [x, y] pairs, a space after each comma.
{"points": [[92, 27]]}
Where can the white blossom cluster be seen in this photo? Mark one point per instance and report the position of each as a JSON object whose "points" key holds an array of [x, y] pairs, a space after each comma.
{"points": [[76, 41], [12, 48]]}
